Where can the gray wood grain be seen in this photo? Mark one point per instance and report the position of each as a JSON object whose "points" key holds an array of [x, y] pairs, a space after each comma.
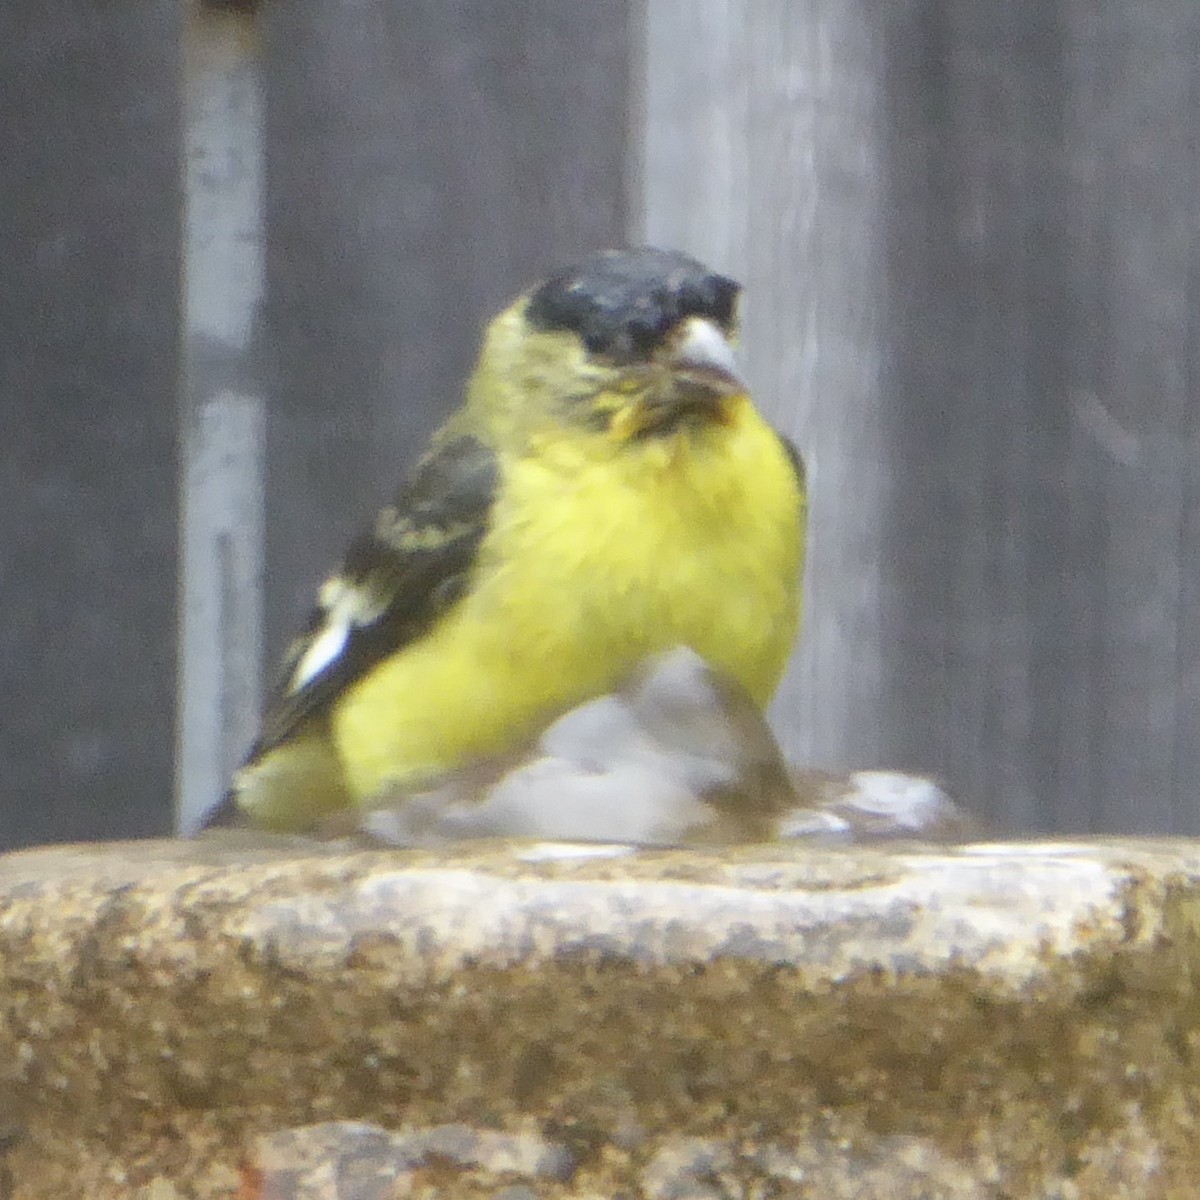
{"points": [[1133, 209], [1047, 244], [224, 406], [89, 248], [967, 231]]}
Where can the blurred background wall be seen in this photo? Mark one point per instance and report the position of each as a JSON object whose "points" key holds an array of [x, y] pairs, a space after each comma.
{"points": [[246, 254], [90, 247]]}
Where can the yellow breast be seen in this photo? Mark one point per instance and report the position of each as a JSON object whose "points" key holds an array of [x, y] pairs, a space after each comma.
{"points": [[592, 561]]}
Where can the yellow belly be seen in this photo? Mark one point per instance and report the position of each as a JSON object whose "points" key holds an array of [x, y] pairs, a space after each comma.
{"points": [[592, 562]]}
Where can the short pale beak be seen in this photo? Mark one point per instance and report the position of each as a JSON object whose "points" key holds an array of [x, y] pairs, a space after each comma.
{"points": [[702, 358], [699, 374]]}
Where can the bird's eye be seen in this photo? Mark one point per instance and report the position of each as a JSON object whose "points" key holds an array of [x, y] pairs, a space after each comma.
{"points": [[644, 334]]}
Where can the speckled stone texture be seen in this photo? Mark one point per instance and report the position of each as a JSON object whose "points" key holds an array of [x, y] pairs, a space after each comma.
{"points": [[1000, 1021]]}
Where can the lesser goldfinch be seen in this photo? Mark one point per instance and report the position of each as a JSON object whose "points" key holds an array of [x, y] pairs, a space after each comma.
{"points": [[607, 491]]}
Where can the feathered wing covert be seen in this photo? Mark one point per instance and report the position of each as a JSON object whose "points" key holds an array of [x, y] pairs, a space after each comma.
{"points": [[395, 581]]}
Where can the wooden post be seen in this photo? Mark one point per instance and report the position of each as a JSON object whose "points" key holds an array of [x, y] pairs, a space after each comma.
{"points": [[224, 410]]}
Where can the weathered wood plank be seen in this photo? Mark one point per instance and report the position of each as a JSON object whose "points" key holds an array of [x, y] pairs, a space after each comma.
{"points": [[224, 408], [89, 252], [1041, 387], [1135, 200]]}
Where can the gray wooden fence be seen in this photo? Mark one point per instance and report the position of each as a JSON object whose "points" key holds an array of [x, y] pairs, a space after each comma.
{"points": [[967, 235]]}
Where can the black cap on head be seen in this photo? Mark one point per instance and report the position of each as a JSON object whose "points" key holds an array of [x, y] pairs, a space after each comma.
{"points": [[623, 303]]}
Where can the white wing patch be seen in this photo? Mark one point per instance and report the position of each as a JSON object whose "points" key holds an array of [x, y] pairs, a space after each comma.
{"points": [[346, 607], [326, 648]]}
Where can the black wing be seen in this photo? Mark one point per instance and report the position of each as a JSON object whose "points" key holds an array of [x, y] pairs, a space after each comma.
{"points": [[394, 583]]}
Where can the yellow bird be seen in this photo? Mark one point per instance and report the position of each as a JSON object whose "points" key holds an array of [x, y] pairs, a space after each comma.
{"points": [[607, 491]]}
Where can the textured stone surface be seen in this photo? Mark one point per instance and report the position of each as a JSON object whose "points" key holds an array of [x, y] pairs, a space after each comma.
{"points": [[995, 1021]]}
